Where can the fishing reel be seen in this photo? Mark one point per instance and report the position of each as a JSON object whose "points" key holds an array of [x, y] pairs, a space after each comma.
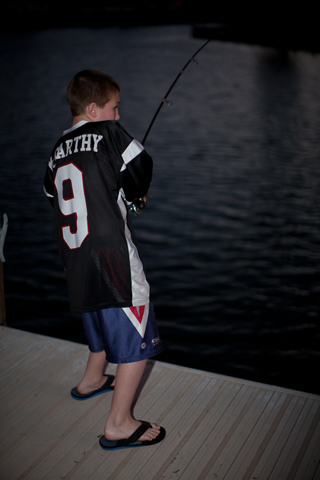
{"points": [[138, 205]]}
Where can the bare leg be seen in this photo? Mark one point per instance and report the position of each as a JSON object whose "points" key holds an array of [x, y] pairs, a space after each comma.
{"points": [[120, 423], [93, 377]]}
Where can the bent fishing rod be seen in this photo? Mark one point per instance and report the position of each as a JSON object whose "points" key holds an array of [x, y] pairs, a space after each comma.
{"points": [[164, 100], [137, 206]]}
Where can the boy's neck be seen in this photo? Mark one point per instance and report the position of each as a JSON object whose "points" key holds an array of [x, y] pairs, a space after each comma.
{"points": [[80, 118]]}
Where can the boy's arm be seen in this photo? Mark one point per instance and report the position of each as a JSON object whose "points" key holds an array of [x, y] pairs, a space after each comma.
{"points": [[48, 183], [135, 167], [135, 176]]}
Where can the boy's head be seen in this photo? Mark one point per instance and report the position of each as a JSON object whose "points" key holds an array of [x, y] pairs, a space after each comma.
{"points": [[89, 91]]}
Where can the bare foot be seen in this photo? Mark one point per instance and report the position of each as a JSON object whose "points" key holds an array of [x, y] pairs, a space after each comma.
{"points": [[125, 431]]}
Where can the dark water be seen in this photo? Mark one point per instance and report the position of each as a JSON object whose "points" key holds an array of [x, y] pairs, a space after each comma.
{"points": [[230, 237]]}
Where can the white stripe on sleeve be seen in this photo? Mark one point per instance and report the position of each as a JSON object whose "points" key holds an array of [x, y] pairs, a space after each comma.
{"points": [[132, 150]]}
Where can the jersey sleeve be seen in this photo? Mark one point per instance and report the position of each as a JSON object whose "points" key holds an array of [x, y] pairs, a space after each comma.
{"points": [[48, 185], [134, 164]]}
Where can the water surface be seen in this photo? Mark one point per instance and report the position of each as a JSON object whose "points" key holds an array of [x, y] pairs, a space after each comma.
{"points": [[230, 236]]}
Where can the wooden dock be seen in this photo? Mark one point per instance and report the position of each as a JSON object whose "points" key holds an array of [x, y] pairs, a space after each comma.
{"points": [[217, 427]]}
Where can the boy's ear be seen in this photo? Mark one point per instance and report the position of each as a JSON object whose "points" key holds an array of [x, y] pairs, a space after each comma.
{"points": [[92, 110]]}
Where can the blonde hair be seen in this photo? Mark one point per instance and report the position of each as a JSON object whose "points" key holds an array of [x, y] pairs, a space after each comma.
{"points": [[90, 86]]}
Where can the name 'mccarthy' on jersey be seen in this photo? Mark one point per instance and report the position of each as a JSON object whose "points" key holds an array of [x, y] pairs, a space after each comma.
{"points": [[95, 169]]}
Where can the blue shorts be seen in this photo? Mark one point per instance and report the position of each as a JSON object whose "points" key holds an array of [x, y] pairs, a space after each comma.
{"points": [[125, 334]]}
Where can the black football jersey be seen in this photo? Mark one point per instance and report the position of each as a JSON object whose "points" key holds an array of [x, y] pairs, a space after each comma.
{"points": [[95, 170]]}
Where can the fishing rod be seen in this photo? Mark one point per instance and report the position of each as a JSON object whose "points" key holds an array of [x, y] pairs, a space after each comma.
{"points": [[164, 100], [139, 204]]}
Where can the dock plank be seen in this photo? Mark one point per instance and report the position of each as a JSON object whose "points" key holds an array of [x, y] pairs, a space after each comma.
{"points": [[217, 427]]}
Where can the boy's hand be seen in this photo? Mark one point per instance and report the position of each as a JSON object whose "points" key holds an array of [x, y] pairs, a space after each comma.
{"points": [[138, 205]]}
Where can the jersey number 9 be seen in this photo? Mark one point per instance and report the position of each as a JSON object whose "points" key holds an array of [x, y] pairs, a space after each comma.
{"points": [[72, 201]]}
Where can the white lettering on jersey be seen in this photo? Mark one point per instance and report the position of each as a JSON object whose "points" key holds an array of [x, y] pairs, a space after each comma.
{"points": [[76, 140], [85, 143], [96, 140], [68, 147]]}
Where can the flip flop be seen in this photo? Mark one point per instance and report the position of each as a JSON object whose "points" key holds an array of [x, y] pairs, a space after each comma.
{"points": [[133, 441], [106, 387]]}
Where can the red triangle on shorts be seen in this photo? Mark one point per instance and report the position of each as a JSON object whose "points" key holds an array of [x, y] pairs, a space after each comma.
{"points": [[138, 313]]}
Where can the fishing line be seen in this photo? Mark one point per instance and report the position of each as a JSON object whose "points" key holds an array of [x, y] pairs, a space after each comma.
{"points": [[164, 100]]}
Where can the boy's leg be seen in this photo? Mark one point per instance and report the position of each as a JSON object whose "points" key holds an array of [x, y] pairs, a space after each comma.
{"points": [[120, 423], [93, 377]]}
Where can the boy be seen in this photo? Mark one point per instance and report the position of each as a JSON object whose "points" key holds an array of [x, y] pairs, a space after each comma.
{"points": [[96, 169]]}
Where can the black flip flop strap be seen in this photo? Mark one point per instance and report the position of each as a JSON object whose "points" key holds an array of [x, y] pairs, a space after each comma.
{"points": [[137, 434], [109, 381]]}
